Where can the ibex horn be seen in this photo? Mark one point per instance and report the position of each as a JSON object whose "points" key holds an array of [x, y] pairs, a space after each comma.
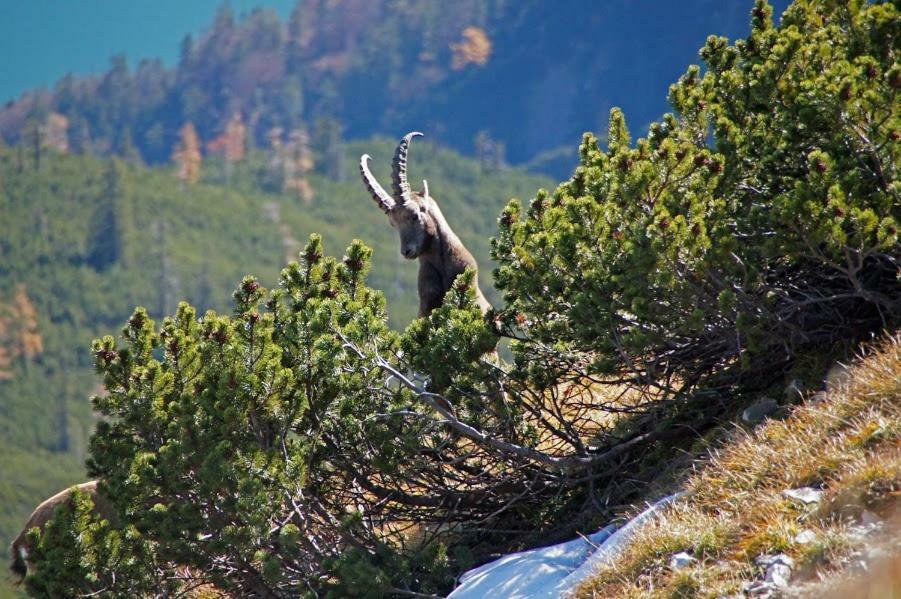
{"points": [[399, 168], [377, 192]]}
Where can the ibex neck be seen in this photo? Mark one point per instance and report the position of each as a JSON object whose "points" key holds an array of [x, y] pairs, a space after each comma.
{"points": [[445, 239]]}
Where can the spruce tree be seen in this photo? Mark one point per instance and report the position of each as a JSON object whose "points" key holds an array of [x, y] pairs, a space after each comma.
{"points": [[107, 233]]}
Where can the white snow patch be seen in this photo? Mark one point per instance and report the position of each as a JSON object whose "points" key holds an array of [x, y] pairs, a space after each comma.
{"points": [[550, 572]]}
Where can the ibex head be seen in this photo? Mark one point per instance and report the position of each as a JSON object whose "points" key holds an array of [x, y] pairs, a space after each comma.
{"points": [[410, 212]]}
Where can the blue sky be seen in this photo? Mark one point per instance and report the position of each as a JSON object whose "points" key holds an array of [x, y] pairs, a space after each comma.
{"points": [[42, 40]]}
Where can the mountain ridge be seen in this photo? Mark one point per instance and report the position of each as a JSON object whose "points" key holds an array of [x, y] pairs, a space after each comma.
{"points": [[526, 78]]}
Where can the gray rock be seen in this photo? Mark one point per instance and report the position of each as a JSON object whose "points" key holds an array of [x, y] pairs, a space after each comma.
{"points": [[837, 376], [779, 575], [681, 560], [759, 410], [760, 589], [774, 558], [868, 518], [778, 569], [857, 563], [817, 397], [805, 537], [804, 494], [793, 393], [859, 532]]}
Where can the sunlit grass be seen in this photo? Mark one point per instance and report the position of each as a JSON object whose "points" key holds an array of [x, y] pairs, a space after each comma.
{"points": [[847, 444]]}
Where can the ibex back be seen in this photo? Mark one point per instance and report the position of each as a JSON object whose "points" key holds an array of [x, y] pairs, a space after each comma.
{"points": [[20, 547], [424, 233]]}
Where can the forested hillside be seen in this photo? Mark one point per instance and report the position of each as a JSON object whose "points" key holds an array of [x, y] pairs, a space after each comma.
{"points": [[505, 80], [84, 240], [293, 431]]}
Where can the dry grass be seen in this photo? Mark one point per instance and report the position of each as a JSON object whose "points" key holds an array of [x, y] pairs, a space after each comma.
{"points": [[848, 444]]}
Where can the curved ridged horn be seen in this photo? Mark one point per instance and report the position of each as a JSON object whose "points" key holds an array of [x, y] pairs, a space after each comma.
{"points": [[399, 168], [377, 192]]}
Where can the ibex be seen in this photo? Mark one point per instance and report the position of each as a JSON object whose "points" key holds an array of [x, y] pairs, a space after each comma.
{"points": [[424, 233], [43, 513]]}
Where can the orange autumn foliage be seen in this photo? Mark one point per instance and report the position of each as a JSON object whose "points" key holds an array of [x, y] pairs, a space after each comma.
{"points": [[20, 335], [474, 48], [187, 155], [30, 342], [232, 143]]}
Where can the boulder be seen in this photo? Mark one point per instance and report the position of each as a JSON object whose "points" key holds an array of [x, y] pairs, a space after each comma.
{"points": [[758, 411]]}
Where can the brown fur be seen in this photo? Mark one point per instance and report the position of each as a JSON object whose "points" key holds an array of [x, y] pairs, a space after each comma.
{"points": [[424, 233], [442, 261], [42, 514]]}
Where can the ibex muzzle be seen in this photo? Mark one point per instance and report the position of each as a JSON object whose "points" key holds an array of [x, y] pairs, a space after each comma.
{"points": [[424, 233]]}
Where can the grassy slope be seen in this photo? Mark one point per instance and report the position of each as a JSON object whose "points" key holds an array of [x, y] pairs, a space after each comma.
{"points": [[847, 442], [214, 234]]}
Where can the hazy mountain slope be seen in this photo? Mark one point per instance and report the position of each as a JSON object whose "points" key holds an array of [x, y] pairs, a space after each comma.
{"points": [[532, 75]]}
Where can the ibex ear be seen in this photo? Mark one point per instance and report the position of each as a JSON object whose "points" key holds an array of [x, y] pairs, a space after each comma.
{"points": [[425, 189]]}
